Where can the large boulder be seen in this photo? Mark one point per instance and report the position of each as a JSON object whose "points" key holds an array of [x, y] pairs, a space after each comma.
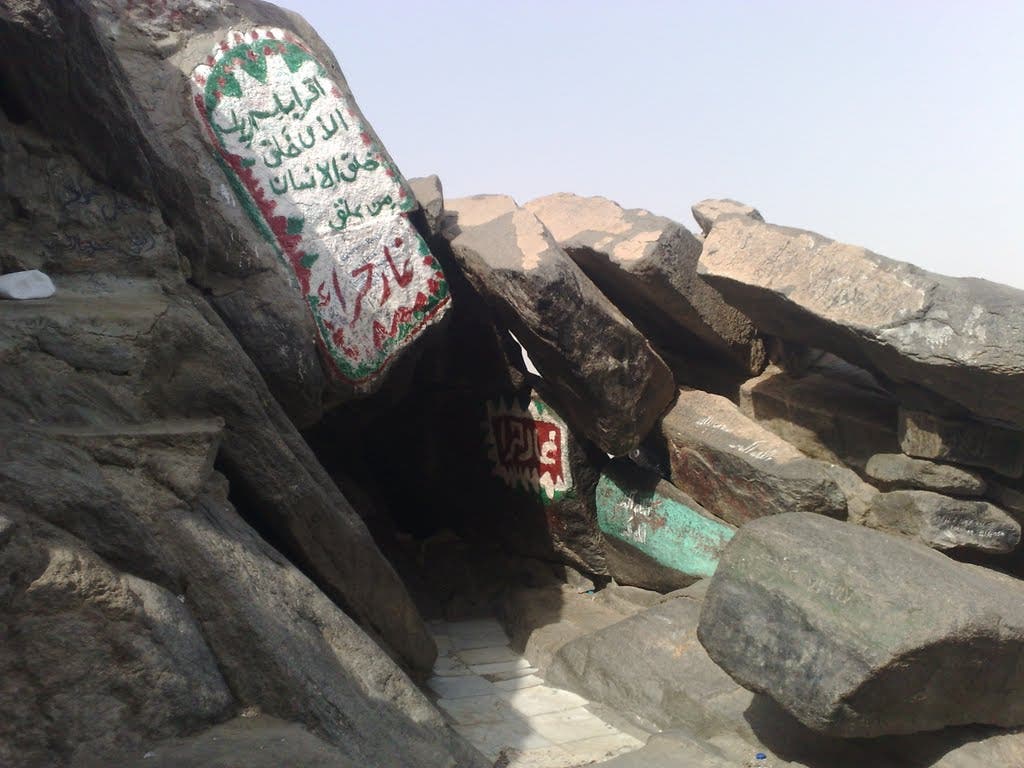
{"points": [[657, 536], [858, 633], [647, 265], [611, 385], [707, 212], [894, 471], [737, 469], [958, 337], [962, 441]]}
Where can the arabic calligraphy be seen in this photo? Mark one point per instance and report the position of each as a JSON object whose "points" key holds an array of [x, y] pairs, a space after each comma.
{"points": [[528, 447], [319, 187]]}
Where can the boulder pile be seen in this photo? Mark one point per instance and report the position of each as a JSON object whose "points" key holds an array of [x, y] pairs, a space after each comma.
{"points": [[250, 374]]}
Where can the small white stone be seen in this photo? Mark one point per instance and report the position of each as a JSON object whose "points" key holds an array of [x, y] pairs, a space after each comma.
{"points": [[30, 284]]}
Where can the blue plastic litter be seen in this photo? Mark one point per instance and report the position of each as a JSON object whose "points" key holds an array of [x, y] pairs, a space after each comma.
{"points": [[761, 756]]}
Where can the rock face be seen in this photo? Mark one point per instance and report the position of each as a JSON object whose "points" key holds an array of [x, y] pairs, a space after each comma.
{"points": [[942, 522], [647, 265], [894, 471], [928, 436], [855, 633], [959, 338], [828, 417], [658, 537], [611, 385], [738, 470], [707, 212]]}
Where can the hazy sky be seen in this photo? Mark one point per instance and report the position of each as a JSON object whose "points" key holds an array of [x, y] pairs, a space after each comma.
{"points": [[894, 125]]}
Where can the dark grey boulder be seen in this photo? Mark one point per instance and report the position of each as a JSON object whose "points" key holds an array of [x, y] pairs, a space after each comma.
{"points": [[737, 469], [858, 633], [958, 337], [647, 265], [894, 471], [610, 384], [943, 522], [961, 441]]}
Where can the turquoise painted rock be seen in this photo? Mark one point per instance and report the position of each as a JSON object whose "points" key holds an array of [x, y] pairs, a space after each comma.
{"points": [[657, 536]]}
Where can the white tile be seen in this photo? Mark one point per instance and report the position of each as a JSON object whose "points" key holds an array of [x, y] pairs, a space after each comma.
{"points": [[540, 699], [444, 644], [448, 666], [474, 710], [474, 626], [522, 672], [602, 747], [473, 640], [491, 738], [501, 666], [489, 655], [545, 757], [570, 725], [515, 683], [461, 686]]}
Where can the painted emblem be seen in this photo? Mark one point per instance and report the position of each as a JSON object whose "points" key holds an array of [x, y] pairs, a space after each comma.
{"points": [[324, 194], [529, 447]]}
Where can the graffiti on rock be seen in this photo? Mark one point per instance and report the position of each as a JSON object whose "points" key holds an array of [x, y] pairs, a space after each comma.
{"points": [[528, 446], [322, 191], [660, 526]]}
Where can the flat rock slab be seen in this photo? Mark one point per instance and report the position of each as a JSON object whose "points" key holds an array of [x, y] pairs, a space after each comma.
{"points": [[943, 522], [958, 337], [828, 417], [894, 471], [610, 383], [737, 469], [647, 265], [663, 539], [928, 436], [707, 212], [858, 633]]}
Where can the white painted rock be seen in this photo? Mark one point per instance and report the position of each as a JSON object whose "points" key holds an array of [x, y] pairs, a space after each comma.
{"points": [[30, 284]]}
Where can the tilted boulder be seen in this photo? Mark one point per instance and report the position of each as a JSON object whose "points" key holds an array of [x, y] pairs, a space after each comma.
{"points": [[647, 265], [858, 633], [737, 469], [894, 471], [962, 441], [610, 383], [958, 337], [707, 212]]}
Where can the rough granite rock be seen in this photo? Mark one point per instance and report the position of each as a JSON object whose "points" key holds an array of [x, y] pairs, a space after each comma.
{"points": [[430, 197], [738, 470], [647, 265], [707, 212], [611, 385], [894, 471], [958, 337], [828, 417], [943, 522], [928, 436], [861, 634]]}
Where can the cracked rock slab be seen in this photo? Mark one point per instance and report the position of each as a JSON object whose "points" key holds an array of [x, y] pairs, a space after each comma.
{"points": [[958, 337]]}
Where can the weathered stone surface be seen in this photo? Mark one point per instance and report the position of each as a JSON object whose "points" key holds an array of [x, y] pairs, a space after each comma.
{"points": [[610, 384], [253, 742], [827, 417], [29, 284], [659, 537], [942, 522], [858, 633], [647, 265], [707, 212], [894, 471], [738, 470], [928, 436], [93, 661], [1010, 499], [430, 196], [958, 337]]}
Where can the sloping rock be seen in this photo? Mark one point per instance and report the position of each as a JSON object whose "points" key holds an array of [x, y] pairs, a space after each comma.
{"points": [[830, 418], [738, 470], [658, 537], [707, 212], [647, 265], [610, 384], [93, 661], [958, 337], [430, 198], [928, 436], [858, 633], [894, 471], [942, 522]]}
